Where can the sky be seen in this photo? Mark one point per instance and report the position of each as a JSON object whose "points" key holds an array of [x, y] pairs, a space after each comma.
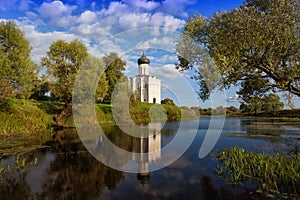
{"points": [[126, 27]]}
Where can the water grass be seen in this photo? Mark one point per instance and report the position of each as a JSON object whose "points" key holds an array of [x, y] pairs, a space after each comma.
{"points": [[277, 176]]}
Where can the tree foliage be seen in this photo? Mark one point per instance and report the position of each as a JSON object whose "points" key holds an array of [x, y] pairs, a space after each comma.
{"points": [[113, 71], [91, 80], [167, 101], [41, 89], [63, 61], [17, 71], [272, 103], [253, 87], [259, 39], [266, 103]]}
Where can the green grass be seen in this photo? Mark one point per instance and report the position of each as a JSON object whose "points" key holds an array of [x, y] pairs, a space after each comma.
{"points": [[278, 176], [22, 117], [26, 117], [146, 112]]}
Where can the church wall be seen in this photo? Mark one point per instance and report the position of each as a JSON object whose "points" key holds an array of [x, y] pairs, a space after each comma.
{"points": [[154, 90], [144, 90], [144, 69]]}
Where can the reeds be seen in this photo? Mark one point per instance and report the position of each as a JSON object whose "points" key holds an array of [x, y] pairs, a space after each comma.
{"points": [[277, 175]]}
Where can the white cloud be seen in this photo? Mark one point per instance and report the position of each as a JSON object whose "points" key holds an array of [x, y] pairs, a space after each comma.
{"points": [[58, 13], [165, 72], [166, 43], [172, 24], [25, 5], [134, 20], [55, 9], [167, 59], [87, 17], [41, 42], [93, 31], [142, 4], [106, 30], [114, 9]]}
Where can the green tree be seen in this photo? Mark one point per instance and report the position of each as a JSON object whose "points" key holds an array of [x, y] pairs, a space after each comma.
{"points": [[197, 109], [167, 101], [254, 104], [63, 61], [17, 71], [253, 87], [41, 89], [102, 88], [114, 67], [272, 103], [258, 39], [232, 109], [121, 96], [135, 99], [92, 79]]}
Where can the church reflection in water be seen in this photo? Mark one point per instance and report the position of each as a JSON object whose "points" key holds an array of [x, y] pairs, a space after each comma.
{"points": [[141, 150], [150, 147]]}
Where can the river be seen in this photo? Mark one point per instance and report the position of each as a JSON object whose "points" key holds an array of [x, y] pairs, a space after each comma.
{"points": [[63, 168]]}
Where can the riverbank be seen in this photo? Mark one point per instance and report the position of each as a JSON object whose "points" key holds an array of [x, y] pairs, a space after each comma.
{"points": [[29, 117]]}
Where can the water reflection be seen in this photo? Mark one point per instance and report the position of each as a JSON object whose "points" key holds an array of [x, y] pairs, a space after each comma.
{"points": [[66, 170], [146, 149]]}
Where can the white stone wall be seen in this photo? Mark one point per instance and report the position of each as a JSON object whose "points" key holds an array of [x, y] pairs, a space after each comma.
{"points": [[144, 69], [154, 90]]}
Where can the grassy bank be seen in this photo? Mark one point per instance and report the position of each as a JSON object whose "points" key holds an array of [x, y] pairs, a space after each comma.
{"points": [[277, 175], [22, 117], [26, 117]]}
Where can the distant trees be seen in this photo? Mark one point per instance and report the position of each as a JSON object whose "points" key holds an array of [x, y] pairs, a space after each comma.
{"points": [[258, 41], [17, 71], [268, 103], [272, 103]]}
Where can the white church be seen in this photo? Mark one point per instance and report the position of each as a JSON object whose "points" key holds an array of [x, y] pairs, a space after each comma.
{"points": [[148, 87]]}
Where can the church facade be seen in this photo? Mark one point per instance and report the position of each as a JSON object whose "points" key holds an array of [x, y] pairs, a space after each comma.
{"points": [[147, 86]]}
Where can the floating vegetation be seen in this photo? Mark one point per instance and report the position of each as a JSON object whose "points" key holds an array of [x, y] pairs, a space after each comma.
{"points": [[277, 176]]}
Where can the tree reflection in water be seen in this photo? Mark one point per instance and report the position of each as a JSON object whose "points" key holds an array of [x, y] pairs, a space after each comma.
{"points": [[67, 171], [62, 173]]}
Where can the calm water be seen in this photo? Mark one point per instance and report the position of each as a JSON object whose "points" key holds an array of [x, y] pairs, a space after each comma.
{"points": [[63, 169]]}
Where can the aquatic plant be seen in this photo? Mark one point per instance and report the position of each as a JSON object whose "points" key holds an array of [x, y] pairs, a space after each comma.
{"points": [[277, 176]]}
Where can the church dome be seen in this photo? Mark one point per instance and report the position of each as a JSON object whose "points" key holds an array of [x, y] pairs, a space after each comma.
{"points": [[143, 60]]}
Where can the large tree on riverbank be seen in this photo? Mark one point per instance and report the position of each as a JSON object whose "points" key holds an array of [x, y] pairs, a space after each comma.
{"points": [[63, 61], [17, 70], [259, 40]]}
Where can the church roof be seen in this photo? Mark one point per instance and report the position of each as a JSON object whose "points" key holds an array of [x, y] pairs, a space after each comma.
{"points": [[143, 60]]}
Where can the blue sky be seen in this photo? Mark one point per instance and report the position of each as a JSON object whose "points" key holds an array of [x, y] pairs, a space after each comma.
{"points": [[125, 27]]}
